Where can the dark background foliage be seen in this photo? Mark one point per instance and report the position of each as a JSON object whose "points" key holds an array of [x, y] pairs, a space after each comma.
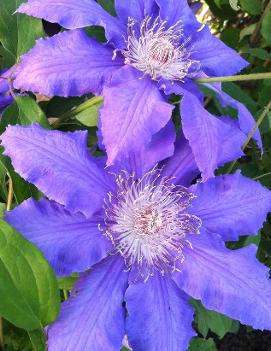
{"points": [[244, 25]]}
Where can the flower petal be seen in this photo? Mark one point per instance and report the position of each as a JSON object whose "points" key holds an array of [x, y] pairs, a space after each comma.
{"points": [[142, 161], [134, 110], [181, 166], [70, 242], [234, 282], [93, 317], [58, 164], [72, 14], [231, 205], [159, 316], [181, 88], [67, 64], [220, 142], [178, 11], [135, 9], [212, 54], [245, 119]]}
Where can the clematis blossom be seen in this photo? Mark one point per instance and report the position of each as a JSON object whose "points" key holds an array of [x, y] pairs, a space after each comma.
{"points": [[142, 238], [154, 48], [5, 97]]}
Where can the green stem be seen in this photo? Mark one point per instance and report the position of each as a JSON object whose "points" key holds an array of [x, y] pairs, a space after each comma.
{"points": [[262, 175], [84, 106], [257, 125], [66, 295], [236, 78], [10, 194]]}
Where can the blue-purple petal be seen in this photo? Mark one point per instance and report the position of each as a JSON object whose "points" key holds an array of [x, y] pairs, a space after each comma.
{"points": [[135, 9], [134, 110], [181, 167], [72, 14], [142, 161], [67, 64], [159, 316], [93, 317], [178, 11], [213, 141], [215, 58], [70, 242], [245, 119], [59, 165], [231, 205], [232, 282]]}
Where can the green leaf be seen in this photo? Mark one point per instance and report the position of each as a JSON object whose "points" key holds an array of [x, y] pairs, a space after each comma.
{"points": [[248, 30], [199, 344], [67, 283], [18, 32], [29, 292], [259, 53], [90, 116], [266, 28], [29, 111], [216, 322], [108, 5], [253, 7], [38, 339], [234, 4]]}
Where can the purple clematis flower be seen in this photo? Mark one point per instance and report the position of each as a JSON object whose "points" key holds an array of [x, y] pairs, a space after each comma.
{"points": [[5, 97], [142, 238], [155, 48]]}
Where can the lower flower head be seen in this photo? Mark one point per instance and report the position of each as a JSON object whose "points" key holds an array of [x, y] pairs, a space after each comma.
{"points": [[157, 50], [147, 222]]}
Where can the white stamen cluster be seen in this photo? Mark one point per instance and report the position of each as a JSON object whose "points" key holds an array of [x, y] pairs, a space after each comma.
{"points": [[157, 50], [147, 223]]}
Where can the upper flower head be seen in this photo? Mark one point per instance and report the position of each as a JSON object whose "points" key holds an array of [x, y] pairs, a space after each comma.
{"points": [[151, 217], [157, 50]]}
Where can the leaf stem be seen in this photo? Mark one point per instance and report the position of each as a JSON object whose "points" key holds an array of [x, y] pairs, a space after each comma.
{"points": [[80, 108], [262, 176], [236, 78], [10, 194], [257, 125]]}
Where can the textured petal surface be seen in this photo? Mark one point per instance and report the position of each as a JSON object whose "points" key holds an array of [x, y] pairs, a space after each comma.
{"points": [[182, 165], [5, 97], [234, 282], [93, 317], [134, 110], [69, 241], [245, 118], [59, 165], [72, 14], [175, 11], [215, 58], [160, 147], [136, 9], [67, 64], [231, 205], [213, 141], [159, 316]]}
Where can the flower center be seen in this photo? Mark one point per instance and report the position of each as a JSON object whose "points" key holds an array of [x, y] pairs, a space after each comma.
{"points": [[146, 221], [157, 50]]}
